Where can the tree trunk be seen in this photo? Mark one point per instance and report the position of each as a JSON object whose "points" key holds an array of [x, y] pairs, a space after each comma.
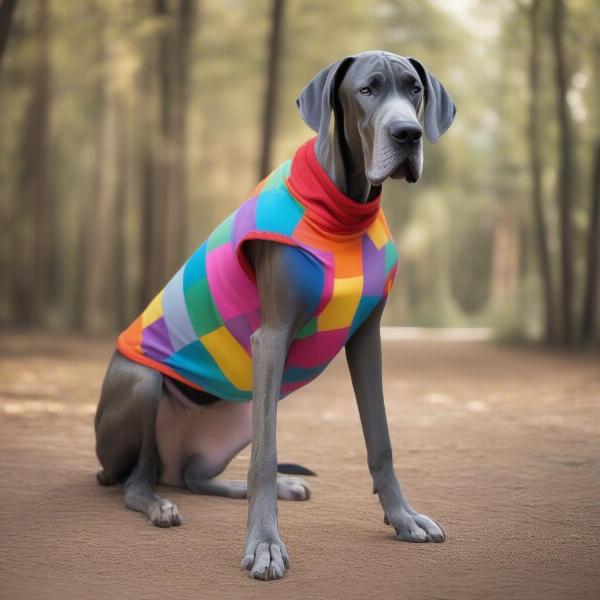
{"points": [[182, 34], [155, 123], [119, 269], [566, 171], [42, 196], [505, 259], [590, 300], [147, 242], [535, 165], [164, 193], [22, 231], [99, 304], [7, 9], [79, 313], [163, 150], [269, 116]]}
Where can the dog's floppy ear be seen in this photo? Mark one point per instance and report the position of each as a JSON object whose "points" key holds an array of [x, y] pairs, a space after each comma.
{"points": [[439, 107], [316, 100]]}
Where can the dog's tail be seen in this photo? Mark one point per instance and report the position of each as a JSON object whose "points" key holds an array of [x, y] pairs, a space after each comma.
{"points": [[293, 469]]}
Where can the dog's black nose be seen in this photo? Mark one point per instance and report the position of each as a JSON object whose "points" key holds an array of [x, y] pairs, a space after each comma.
{"points": [[406, 132]]}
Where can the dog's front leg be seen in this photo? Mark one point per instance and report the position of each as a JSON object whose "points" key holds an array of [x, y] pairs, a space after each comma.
{"points": [[363, 352], [265, 554], [284, 307]]}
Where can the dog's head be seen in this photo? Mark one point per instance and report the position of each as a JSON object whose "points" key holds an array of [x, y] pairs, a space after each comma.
{"points": [[377, 98]]}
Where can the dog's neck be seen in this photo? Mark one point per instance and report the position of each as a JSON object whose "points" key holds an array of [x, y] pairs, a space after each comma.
{"points": [[342, 159]]}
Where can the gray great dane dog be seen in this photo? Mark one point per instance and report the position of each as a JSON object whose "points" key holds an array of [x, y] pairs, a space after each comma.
{"points": [[144, 436]]}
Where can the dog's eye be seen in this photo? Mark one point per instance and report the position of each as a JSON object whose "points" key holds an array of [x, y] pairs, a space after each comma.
{"points": [[365, 90], [416, 89]]}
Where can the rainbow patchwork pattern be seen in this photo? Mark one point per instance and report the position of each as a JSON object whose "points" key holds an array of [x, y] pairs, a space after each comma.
{"points": [[198, 328]]}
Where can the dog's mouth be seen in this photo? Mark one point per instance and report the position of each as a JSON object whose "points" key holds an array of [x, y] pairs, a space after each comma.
{"points": [[406, 170], [406, 166]]}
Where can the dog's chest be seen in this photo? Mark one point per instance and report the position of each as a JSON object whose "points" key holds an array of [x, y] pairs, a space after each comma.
{"points": [[198, 329]]}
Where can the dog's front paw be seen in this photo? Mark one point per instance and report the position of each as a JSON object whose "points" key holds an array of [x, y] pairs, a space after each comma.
{"points": [[164, 514], [414, 527], [265, 557]]}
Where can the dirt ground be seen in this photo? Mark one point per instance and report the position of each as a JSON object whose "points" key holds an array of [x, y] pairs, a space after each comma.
{"points": [[501, 446]]}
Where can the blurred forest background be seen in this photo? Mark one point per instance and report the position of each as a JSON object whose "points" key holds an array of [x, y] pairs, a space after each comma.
{"points": [[130, 128]]}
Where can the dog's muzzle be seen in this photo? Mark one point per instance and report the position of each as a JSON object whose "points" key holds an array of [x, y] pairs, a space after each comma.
{"points": [[407, 170], [407, 136]]}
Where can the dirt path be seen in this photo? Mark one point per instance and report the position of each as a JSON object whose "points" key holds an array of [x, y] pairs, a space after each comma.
{"points": [[502, 446]]}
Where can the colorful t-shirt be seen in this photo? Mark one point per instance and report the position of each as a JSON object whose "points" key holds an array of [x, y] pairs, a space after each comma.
{"points": [[198, 328]]}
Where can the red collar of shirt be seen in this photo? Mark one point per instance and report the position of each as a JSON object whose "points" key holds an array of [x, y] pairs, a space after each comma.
{"points": [[327, 206]]}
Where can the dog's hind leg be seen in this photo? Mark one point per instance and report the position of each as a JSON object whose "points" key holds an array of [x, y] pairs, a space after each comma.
{"points": [[104, 479], [197, 442], [126, 439], [139, 494], [200, 480]]}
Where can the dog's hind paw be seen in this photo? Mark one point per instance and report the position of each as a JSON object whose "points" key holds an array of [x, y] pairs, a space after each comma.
{"points": [[103, 478], [292, 488]]}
